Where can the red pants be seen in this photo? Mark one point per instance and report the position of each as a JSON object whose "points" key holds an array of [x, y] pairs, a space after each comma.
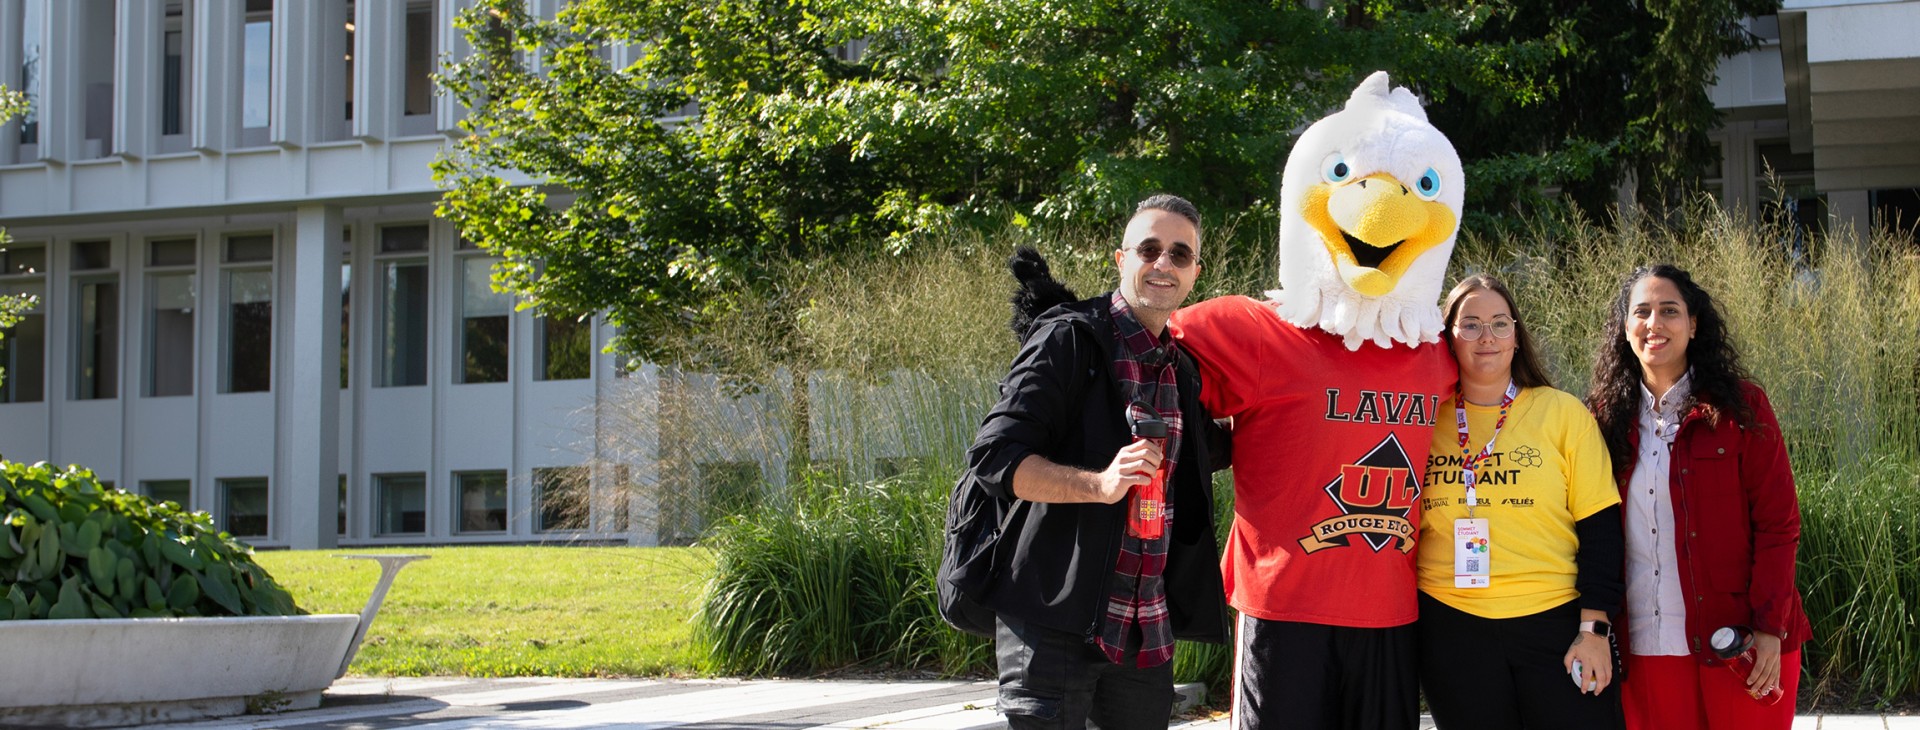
{"points": [[1680, 693]]}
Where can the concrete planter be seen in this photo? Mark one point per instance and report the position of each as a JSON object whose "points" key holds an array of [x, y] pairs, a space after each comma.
{"points": [[138, 671], [98, 672]]}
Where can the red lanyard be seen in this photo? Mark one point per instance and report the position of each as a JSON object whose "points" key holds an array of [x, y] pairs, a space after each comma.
{"points": [[1469, 460]]}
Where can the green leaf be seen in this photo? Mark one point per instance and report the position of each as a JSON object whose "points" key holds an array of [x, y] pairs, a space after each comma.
{"points": [[50, 555], [127, 578], [103, 608], [89, 534], [217, 584], [150, 590], [40, 507], [71, 603], [178, 554], [17, 600], [185, 593], [103, 567]]}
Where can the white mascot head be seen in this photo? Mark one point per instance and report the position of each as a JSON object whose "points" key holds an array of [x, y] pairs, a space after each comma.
{"points": [[1369, 205]]}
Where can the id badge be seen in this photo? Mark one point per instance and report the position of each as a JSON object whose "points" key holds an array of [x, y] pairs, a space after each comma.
{"points": [[1472, 548]]}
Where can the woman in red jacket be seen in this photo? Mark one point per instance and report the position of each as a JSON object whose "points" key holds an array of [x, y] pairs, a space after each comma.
{"points": [[1712, 521]]}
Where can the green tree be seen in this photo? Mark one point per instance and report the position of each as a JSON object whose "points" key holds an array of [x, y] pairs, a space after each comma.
{"points": [[1625, 91], [749, 136], [11, 307], [817, 130]]}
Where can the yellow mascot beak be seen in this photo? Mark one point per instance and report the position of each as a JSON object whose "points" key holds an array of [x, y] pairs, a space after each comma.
{"points": [[1374, 227]]}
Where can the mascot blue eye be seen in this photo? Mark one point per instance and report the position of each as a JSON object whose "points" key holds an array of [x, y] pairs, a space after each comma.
{"points": [[1335, 168], [1428, 186]]}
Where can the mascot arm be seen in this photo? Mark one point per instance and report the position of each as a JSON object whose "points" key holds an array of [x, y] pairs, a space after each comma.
{"points": [[1225, 339]]}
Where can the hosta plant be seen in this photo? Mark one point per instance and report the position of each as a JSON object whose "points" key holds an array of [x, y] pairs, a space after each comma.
{"points": [[75, 549]]}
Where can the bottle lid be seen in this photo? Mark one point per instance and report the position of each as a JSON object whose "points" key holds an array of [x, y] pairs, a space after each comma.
{"points": [[1150, 428], [1726, 642]]}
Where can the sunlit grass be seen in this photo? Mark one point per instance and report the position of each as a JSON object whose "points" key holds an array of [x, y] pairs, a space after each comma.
{"points": [[513, 610]]}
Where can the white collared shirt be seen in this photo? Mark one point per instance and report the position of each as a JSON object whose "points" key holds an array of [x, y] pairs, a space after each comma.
{"points": [[1656, 605]]}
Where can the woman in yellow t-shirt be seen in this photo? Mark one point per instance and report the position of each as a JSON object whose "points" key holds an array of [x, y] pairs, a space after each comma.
{"points": [[1516, 587]]}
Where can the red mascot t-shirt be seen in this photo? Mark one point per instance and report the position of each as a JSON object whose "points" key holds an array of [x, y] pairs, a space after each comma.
{"points": [[1329, 446]]}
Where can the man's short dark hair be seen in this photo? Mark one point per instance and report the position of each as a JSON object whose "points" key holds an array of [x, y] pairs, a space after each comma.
{"points": [[1171, 204]]}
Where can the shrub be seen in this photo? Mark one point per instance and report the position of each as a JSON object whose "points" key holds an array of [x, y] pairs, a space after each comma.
{"points": [[833, 574], [74, 549], [1860, 570]]}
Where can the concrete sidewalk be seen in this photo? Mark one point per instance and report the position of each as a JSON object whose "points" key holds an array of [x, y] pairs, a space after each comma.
{"points": [[703, 704]]}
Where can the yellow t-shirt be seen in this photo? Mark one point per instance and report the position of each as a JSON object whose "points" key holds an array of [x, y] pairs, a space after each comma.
{"points": [[1549, 469]]}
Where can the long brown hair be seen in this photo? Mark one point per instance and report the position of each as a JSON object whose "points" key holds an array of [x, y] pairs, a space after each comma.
{"points": [[1527, 370], [1717, 373]]}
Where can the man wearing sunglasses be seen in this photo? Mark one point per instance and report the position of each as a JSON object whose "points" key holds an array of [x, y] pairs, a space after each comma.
{"points": [[1088, 608]]}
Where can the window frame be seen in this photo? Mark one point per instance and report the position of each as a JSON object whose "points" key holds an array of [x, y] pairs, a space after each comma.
{"points": [[228, 269], [383, 372], [460, 497], [77, 283], [150, 274], [40, 279], [224, 496]]}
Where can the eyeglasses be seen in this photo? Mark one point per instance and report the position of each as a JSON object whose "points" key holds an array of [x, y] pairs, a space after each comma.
{"points": [[1471, 331], [1180, 257]]}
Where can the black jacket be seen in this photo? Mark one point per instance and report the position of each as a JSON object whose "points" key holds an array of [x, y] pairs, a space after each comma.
{"points": [[1054, 562]]}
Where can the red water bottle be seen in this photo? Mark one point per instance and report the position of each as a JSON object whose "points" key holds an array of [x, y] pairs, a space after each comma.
{"points": [[1734, 645], [1147, 503]]}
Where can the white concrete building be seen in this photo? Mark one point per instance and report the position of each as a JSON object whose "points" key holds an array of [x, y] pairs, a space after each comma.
{"points": [[247, 305], [1830, 102]]}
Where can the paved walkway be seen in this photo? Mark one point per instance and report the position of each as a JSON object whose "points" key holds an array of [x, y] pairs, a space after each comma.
{"points": [[701, 704]]}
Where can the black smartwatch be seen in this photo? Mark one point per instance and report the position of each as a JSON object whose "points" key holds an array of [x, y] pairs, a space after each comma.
{"points": [[1597, 628]]}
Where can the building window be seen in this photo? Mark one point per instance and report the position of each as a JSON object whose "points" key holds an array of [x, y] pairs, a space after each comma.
{"points": [[341, 530], [175, 77], [256, 80], [403, 281], [177, 491], [403, 504], [483, 326], [96, 18], [96, 322], [560, 498], [482, 500], [171, 292], [417, 83], [346, 306], [23, 347], [244, 507], [32, 21], [565, 347], [247, 363], [348, 60]]}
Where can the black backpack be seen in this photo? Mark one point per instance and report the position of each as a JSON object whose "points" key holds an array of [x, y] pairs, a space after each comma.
{"points": [[976, 519]]}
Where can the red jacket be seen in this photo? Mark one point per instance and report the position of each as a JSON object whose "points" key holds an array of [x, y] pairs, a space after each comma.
{"points": [[1738, 522]]}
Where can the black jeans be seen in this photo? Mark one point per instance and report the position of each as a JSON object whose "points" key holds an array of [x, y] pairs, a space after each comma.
{"points": [[1054, 680]]}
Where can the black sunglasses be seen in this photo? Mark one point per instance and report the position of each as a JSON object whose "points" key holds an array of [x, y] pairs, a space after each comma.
{"points": [[1180, 257]]}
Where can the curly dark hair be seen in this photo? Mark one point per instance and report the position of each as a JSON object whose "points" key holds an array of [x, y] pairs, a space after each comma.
{"points": [[1526, 367], [1717, 373]]}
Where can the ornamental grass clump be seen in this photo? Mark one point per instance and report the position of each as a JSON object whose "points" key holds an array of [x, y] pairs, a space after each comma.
{"points": [[831, 574], [74, 549]]}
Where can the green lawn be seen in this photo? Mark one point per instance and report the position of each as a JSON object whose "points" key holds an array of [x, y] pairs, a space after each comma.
{"points": [[513, 610]]}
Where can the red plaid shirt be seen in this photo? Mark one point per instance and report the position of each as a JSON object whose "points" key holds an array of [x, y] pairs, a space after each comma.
{"points": [[1144, 366]]}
